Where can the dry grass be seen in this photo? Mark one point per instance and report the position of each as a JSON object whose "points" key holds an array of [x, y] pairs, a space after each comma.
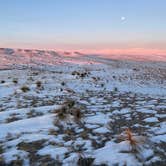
{"points": [[12, 119], [134, 141], [53, 132], [130, 137]]}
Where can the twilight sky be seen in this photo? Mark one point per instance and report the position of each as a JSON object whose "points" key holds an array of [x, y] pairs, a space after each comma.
{"points": [[116, 26]]}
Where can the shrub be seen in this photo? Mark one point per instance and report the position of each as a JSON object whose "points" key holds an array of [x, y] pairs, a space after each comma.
{"points": [[80, 74], [39, 84], [115, 89], [68, 110], [76, 112], [61, 113], [63, 83], [2, 81], [82, 161], [69, 103], [15, 80], [25, 89]]}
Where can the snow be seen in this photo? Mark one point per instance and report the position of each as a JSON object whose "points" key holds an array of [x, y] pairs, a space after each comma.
{"points": [[98, 119], [112, 154], [159, 138], [161, 129], [22, 112], [147, 111], [5, 91], [11, 155], [28, 125], [101, 130], [111, 97], [54, 152], [151, 120]]}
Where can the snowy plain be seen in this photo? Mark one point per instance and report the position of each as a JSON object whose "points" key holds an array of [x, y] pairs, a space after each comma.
{"points": [[110, 95]]}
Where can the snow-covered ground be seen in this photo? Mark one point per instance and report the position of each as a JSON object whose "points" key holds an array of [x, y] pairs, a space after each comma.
{"points": [[62, 110]]}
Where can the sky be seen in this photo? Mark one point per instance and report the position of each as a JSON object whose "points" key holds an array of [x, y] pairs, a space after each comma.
{"points": [[110, 26]]}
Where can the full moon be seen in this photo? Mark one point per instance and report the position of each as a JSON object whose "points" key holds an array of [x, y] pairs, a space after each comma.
{"points": [[123, 18]]}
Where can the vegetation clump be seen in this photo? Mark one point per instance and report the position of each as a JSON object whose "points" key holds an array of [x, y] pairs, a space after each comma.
{"points": [[82, 161], [39, 84], [134, 141], [25, 88], [80, 74], [63, 83], [2, 81], [69, 110], [15, 80]]}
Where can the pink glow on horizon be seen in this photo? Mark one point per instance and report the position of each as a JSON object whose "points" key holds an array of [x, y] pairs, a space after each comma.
{"points": [[123, 53], [132, 51], [138, 54], [131, 54]]}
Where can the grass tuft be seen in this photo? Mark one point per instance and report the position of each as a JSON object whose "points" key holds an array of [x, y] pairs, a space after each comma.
{"points": [[134, 141]]}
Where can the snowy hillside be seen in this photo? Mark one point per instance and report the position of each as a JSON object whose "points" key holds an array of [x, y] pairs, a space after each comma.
{"points": [[70, 109]]}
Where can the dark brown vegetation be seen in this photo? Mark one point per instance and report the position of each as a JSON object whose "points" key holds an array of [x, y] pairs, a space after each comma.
{"points": [[25, 88]]}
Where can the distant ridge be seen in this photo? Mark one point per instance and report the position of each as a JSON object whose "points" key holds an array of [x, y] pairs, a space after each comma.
{"points": [[11, 58]]}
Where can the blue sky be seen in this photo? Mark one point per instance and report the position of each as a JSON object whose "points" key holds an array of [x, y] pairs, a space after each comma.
{"points": [[86, 24]]}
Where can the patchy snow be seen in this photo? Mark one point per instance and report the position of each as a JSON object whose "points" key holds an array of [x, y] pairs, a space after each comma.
{"points": [[54, 152], [101, 130], [147, 111], [11, 155], [28, 125], [39, 127], [159, 138], [98, 119], [151, 120], [5, 91], [112, 154]]}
